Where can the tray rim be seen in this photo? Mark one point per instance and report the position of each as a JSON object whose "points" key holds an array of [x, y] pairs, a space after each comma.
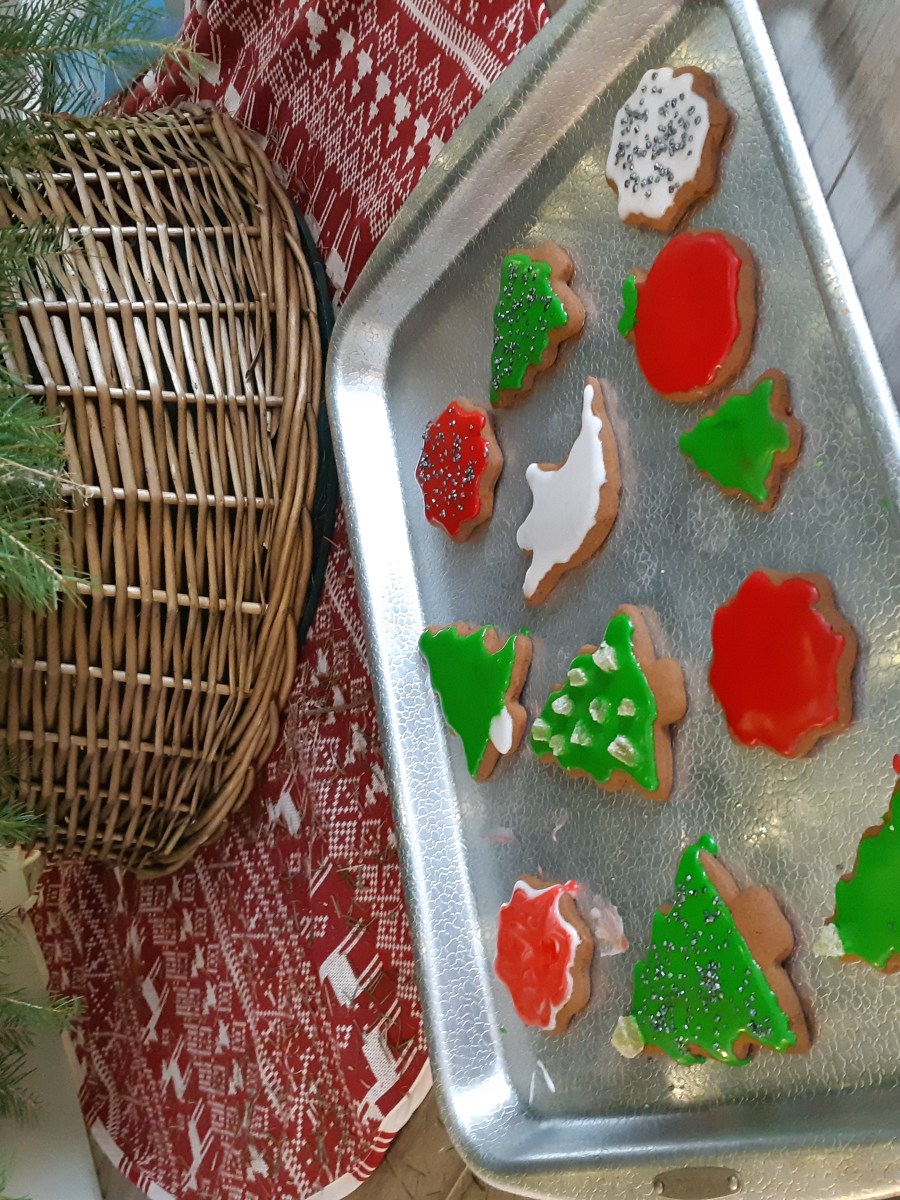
{"points": [[389, 288]]}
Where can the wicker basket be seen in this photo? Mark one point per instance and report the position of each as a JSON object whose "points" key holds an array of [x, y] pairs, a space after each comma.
{"points": [[179, 343]]}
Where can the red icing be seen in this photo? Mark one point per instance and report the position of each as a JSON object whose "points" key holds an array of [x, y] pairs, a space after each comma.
{"points": [[687, 314], [897, 763], [775, 660], [534, 952], [453, 461]]}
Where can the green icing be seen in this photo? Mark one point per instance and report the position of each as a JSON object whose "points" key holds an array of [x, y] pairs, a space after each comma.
{"points": [[628, 319], [471, 684], [737, 443], [699, 984], [867, 905], [601, 720], [528, 308]]}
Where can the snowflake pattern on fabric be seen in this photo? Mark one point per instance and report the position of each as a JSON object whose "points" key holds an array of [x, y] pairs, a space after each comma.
{"points": [[218, 1000]]}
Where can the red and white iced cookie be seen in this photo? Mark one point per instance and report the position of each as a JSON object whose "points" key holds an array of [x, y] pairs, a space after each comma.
{"points": [[691, 317], [574, 504], [459, 468], [666, 141], [544, 952], [782, 659]]}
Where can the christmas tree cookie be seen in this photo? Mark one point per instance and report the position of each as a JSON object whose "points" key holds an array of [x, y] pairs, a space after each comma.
{"points": [[691, 317], [610, 719], [574, 505], [781, 663], [713, 983], [459, 468], [664, 154], [536, 312], [544, 952], [865, 926], [748, 442], [478, 677]]}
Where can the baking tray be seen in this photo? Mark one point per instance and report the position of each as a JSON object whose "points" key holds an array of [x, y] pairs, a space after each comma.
{"points": [[567, 1116]]}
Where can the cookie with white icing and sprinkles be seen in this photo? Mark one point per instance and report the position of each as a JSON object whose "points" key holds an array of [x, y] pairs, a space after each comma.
{"points": [[574, 504], [610, 720], [478, 676], [666, 143], [535, 313], [459, 468], [713, 982]]}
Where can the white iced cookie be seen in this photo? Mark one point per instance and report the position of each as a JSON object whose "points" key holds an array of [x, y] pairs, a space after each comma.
{"points": [[574, 504], [665, 146]]}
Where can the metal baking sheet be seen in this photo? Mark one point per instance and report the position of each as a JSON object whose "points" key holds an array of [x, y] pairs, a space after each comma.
{"points": [[528, 165]]}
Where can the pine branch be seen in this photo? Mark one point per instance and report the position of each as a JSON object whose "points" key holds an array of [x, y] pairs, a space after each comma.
{"points": [[16, 1100], [18, 826]]}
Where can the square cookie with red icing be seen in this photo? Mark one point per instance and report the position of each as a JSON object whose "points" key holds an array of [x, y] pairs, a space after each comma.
{"points": [[544, 952], [458, 469]]}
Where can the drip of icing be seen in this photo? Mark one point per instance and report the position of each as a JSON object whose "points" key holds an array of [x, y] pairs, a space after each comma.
{"points": [[471, 683], [867, 904], [687, 317], [775, 662], [501, 731], [454, 458], [699, 985], [536, 950], [657, 144], [565, 501], [589, 733], [527, 309], [737, 444]]}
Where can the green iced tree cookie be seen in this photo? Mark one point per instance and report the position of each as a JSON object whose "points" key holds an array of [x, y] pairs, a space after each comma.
{"points": [[601, 720], [699, 984], [867, 903], [527, 309]]}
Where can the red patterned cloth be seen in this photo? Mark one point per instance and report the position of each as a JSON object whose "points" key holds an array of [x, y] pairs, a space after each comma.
{"points": [[252, 1029]]}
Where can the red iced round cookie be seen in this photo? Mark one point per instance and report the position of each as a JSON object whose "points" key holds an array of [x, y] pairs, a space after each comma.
{"points": [[544, 952], [691, 316], [781, 664], [459, 468]]}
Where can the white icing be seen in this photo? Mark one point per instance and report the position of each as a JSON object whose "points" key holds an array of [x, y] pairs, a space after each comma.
{"points": [[626, 708], [605, 658], [828, 943], [657, 143], [580, 735], [501, 731], [540, 730], [577, 677], [598, 710], [574, 940], [627, 1038], [557, 744], [565, 501], [620, 748], [562, 705]]}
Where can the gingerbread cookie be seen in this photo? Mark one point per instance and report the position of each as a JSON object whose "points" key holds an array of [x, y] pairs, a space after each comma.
{"points": [[574, 505], [691, 316], [535, 313], [713, 983], [609, 721], [747, 444], [478, 677], [865, 926], [781, 665], [544, 952], [664, 155], [459, 468]]}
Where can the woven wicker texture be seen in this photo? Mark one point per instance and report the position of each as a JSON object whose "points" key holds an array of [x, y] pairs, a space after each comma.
{"points": [[178, 342]]}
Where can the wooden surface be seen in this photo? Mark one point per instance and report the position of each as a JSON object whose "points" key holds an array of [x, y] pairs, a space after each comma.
{"points": [[841, 61]]}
